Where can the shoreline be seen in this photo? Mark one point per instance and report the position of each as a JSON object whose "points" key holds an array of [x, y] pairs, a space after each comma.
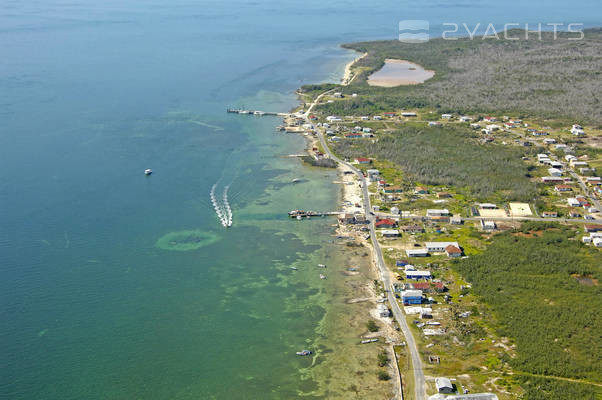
{"points": [[355, 298], [347, 78]]}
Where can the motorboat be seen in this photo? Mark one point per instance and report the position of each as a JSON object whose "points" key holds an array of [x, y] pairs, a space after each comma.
{"points": [[148, 171], [304, 353]]}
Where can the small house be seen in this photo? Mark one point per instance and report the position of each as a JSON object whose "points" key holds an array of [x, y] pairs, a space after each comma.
{"points": [[439, 247], [453, 251], [412, 229], [363, 160], [417, 253], [385, 223], [444, 385], [390, 233], [420, 190], [411, 297], [417, 275], [436, 212]]}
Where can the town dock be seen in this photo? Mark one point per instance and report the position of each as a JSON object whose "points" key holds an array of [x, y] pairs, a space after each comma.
{"points": [[256, 112], [307, 214]]}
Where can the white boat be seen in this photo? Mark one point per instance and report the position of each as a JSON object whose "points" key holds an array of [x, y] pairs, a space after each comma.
{"points": [[322, 276], [148, 171], [321, 265], [294, 268], [303, 353], [296, 180]]}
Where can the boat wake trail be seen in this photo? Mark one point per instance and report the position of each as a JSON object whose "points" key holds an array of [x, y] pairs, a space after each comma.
{"points": [[222, 206]]}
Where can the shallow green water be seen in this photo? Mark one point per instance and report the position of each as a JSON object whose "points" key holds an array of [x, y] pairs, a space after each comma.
{"points": [[115, 285]]}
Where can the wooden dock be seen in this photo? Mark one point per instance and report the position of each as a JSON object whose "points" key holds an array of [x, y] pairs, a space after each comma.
{"points": [[307, 214]]}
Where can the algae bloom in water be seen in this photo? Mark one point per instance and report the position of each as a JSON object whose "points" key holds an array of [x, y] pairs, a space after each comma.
{"points": [[186, 240]]}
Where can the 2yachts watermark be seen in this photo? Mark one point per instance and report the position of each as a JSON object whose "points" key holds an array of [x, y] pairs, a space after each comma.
{"points": [[418, 31]]}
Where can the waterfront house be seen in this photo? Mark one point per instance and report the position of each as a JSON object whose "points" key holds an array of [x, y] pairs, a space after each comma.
{"points": [[411, 297], [490, 119], [377, 118], [383, 310], [363, 160], [385, 223], [446, 116], [408, 114], [347, 218], [390, 114], [465, 119]]}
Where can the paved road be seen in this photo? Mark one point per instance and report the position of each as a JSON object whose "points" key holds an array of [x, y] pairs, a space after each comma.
{"points": [[577, 220], [419, 381]]}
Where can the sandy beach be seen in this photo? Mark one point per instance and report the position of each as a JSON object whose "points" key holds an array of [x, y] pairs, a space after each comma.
{"points": [[347, 76]]}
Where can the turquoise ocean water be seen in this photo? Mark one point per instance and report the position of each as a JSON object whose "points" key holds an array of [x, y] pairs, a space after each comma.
{"points": [[97, 299]]}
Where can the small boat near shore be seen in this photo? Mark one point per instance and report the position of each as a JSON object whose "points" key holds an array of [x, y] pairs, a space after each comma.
{"points": [[294, 268], [304, 353], [369, 341], [322, 265], [322, 276]]}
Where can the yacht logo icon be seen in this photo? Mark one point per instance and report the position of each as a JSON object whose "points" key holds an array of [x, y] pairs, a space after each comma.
{"points": [[414, 31]]}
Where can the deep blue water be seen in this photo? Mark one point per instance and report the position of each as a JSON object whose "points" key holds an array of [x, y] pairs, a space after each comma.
{"points": [[91, 94]]}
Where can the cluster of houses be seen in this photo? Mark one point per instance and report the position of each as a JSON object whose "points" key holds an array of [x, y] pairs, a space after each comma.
{"points": [[595, 235]]}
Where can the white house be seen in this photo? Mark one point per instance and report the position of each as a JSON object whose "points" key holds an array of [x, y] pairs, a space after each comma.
{"points": [[554, 172], [439, 247], [417, 253], [465, 119], [573, 202], [446, 116], [390, 233], [549, 141], [434, 212], [577, 130]]}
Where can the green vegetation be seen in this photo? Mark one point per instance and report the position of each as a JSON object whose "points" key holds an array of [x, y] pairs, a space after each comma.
{"points": [[323, 162], [383, 376], [545, 78], [449, 156], [383, 358], [186, 240], [372, 326], [533, 280], [538, 388]]}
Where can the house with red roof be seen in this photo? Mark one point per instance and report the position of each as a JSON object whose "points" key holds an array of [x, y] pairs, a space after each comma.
{"points": [[363, 160], [453, 251], [385, 223]]}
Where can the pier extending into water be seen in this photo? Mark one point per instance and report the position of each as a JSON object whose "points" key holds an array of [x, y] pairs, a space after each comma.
{"points": [[256, 112], [307, 214]]}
